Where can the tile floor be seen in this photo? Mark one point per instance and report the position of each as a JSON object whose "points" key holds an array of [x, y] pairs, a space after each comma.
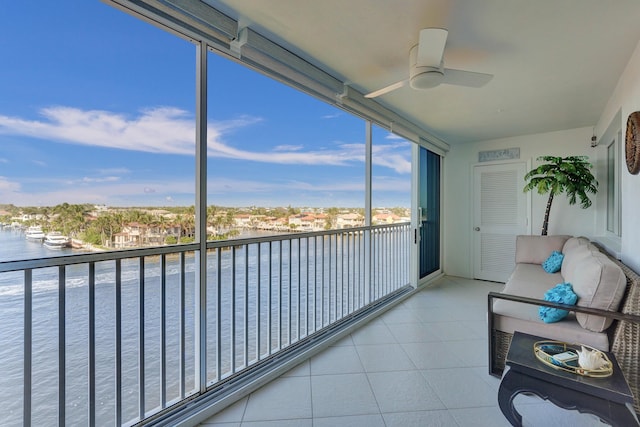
{"points": [[423, 363]]}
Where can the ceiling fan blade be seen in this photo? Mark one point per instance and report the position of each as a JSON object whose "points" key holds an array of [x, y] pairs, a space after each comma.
{"points": [[431, 47], [387, 89], [465, 78]]}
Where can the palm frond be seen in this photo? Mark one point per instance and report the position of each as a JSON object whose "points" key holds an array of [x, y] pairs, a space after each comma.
{"points": [[570, 175]]}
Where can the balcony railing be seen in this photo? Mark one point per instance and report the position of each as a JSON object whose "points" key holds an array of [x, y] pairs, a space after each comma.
{"points": [[117, 337]]}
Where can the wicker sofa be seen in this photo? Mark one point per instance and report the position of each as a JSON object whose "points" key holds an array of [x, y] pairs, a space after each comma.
{"points": [[607, 315]]}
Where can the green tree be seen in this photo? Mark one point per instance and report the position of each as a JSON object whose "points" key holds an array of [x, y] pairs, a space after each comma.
{"points": [[570, 175], [187, 222], [332, 218], [255, 210], [162, 222], [135, 215], [106, 225], [92, 235], [69, 219], [216, 218], [229, 219]]}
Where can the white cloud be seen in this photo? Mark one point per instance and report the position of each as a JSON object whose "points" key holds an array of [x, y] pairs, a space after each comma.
{"points": [[221, 191], [397, 162], [87, 179], [341, 156], [113, 171], [396, 156], [158, 130], [8, 186], [394, 137], [3, 160], [222, 186], [109, 193], [394, 184], [172, 130], [288, 148], [101, 176]]}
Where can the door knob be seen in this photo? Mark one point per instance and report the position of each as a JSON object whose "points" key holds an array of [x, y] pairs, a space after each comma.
{"points": [[477, 228]]}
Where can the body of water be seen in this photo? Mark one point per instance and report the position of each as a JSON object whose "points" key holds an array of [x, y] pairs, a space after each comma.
{"points": [[263, 307], [14, 246]]}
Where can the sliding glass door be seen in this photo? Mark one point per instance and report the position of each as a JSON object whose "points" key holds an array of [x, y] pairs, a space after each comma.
{"points": [[429, 212]]}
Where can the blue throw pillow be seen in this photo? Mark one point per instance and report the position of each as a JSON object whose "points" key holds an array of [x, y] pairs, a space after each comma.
{"points": [[553, 263], [561, 293]]}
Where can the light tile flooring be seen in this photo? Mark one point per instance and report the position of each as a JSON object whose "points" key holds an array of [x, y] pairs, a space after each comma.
{"points": [[423, 363]]}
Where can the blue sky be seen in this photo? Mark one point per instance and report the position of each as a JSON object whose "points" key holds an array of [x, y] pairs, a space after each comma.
{"points": [[98, 107]]}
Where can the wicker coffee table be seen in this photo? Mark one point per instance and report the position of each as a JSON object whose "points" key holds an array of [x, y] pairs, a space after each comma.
{"points": [[609, 398]]}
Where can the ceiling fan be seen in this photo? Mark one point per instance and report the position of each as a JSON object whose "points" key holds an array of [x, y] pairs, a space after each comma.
{"points": [[426, 66]]}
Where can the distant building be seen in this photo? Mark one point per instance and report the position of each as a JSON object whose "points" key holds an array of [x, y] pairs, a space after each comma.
{"points": [[349, 220], [307, 221], [242, 220], [136, 234], [385, 218]]}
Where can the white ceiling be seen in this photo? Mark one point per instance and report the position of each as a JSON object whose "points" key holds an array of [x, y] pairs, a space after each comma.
{"points": [[555, 62]]}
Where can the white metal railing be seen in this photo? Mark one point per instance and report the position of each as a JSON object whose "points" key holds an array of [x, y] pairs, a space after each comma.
{"points": [[112, 338]]}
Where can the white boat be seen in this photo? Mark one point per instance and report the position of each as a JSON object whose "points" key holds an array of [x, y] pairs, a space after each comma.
{"points": [[34, 234], [56, 240]]}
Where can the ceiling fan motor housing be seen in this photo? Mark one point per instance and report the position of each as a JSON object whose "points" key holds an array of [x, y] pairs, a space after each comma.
{"points": [[423, 76]]}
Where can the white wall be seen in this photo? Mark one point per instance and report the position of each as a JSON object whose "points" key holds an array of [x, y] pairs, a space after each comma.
{"points": [[565, 219], [458, 192], [626, 99]]}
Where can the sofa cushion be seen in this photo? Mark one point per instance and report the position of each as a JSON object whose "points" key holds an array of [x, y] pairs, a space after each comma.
{"points": [[527, 280], [536, 249], [530, 280], [574, 242], [573, 258], [553, 263], [565, 330], [561, 293], [599, 283]]}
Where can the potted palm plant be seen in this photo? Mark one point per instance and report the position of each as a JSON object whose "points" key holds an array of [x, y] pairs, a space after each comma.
{"points": [[570, 175]]}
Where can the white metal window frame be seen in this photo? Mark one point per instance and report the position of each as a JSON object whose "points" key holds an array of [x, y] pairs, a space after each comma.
{"points": [[210, 30], [611, 142], [205, 26], [201, 23]]}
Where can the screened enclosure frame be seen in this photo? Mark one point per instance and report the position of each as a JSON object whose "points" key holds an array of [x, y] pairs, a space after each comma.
{"points": [[357, 272]]}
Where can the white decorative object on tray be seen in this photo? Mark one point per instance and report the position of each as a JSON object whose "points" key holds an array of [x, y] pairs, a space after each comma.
{"points": [[590, 359]]}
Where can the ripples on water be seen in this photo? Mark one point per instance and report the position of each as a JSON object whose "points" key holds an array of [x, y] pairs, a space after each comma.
{"points": [[13, 246], [45, 321]]}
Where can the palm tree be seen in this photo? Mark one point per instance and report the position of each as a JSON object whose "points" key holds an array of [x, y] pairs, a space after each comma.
{"points": [[187, 222], [70, 219], [332, 217], [570, 175], [107, 225], [228, 220], [213, 217], [162, 223]]}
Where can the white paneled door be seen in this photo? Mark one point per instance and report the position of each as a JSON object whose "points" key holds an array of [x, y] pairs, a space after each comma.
{"points": [[499, 215]]}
